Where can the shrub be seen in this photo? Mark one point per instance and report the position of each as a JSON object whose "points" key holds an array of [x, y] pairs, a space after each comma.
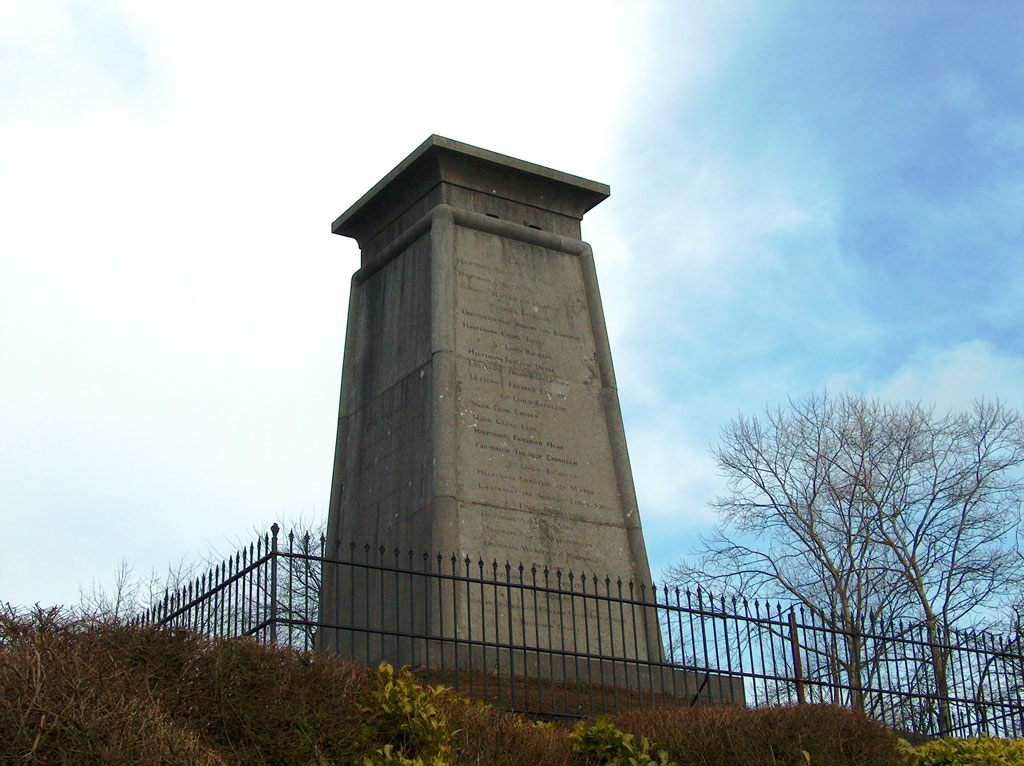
{"points": [[983, 751], [81, 691], [405, 718], [600, 739], [725, 735], [483, 735], [66, 696]]}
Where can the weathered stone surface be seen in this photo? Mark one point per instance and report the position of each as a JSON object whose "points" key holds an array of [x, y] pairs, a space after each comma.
{"points": [[479, 415]]}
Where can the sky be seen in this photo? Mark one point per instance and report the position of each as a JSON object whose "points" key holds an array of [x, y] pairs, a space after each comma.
{"points": [[805, 196]]}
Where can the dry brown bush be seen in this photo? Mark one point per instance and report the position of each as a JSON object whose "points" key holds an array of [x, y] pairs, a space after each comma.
{"points": [[87, 692], [66, 696], [725, 735], [486, 736]]}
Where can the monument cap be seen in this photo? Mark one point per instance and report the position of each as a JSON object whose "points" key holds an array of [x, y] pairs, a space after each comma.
{"points": [[440, 168]]}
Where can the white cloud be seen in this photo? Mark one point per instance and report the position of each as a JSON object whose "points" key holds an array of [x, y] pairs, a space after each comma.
{"points": [[172, 304], [952, 377], [675, 478], [742, 285]]}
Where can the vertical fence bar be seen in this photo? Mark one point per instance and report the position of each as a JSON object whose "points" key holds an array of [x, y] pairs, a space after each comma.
{"points": [[600, 637], [997, 697], [797, 665], [589, 650], [550, 643], [1007, 675], [273, 583], [522, 632], [379, 572], [693, 664], [682, 646], [575, 644], [775, 629], [561, 634], [338, 618], [609, 601], [880, 654], [469, 625], [750, 651], [1013, 657], [440, 615], [453, 563], [522, 635], [397, 607], [971, 691], [483, 627], [229, 598], [317, 581], [738, 632], [240, 594], [536, 627], [728, 654], [635, 665], [367, 603], [497, 629], [671, 645], [693, 645], [1015, 704], [428, 628], [903, 660], [257, 606], [636, 642], [703, 641], [291, 586], [714, 642], [815, 674], [252, 584], [511, 642]]}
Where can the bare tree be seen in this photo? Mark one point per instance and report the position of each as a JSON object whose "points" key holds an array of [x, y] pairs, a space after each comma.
{"points": [[269, 586], [945, 500], [129, 595], [298, 597], [858, 508]]}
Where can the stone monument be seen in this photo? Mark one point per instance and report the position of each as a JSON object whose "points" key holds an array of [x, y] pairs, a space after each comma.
{"points": [[479, 414]]}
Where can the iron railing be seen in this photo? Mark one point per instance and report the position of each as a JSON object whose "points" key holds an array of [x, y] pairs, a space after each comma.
{"points": [[559, 643]]}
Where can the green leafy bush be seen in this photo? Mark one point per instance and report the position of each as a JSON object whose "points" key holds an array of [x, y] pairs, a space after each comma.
{"points": [[601, 739], [405, 718], [983, 751]]}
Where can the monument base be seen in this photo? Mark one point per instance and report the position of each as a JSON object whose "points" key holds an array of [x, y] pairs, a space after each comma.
{"points": [[479, 416], [447, 620]]}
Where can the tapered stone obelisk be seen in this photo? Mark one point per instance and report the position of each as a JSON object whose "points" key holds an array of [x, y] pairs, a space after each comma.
{"points": [[479, 415]]}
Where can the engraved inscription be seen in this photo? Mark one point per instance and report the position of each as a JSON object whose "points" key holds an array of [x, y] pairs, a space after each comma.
{"points": [[532, 429]]}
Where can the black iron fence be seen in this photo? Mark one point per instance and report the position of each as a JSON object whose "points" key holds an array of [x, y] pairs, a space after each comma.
{"points": [[555, 642]]}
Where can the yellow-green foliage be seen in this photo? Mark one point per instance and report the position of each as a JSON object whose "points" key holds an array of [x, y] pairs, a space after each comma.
{"points": [[404, 718], [983, 751], [600, 739]]}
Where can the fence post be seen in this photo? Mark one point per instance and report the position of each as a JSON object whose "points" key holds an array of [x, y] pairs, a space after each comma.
{"points": [[274, 529], [797, 669]]}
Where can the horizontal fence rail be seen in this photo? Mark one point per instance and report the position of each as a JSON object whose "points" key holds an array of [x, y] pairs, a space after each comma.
{"points": [[562, 643]]}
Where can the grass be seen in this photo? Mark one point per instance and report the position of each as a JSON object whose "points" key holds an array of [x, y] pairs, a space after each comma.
{"points": [[85, 691]]}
